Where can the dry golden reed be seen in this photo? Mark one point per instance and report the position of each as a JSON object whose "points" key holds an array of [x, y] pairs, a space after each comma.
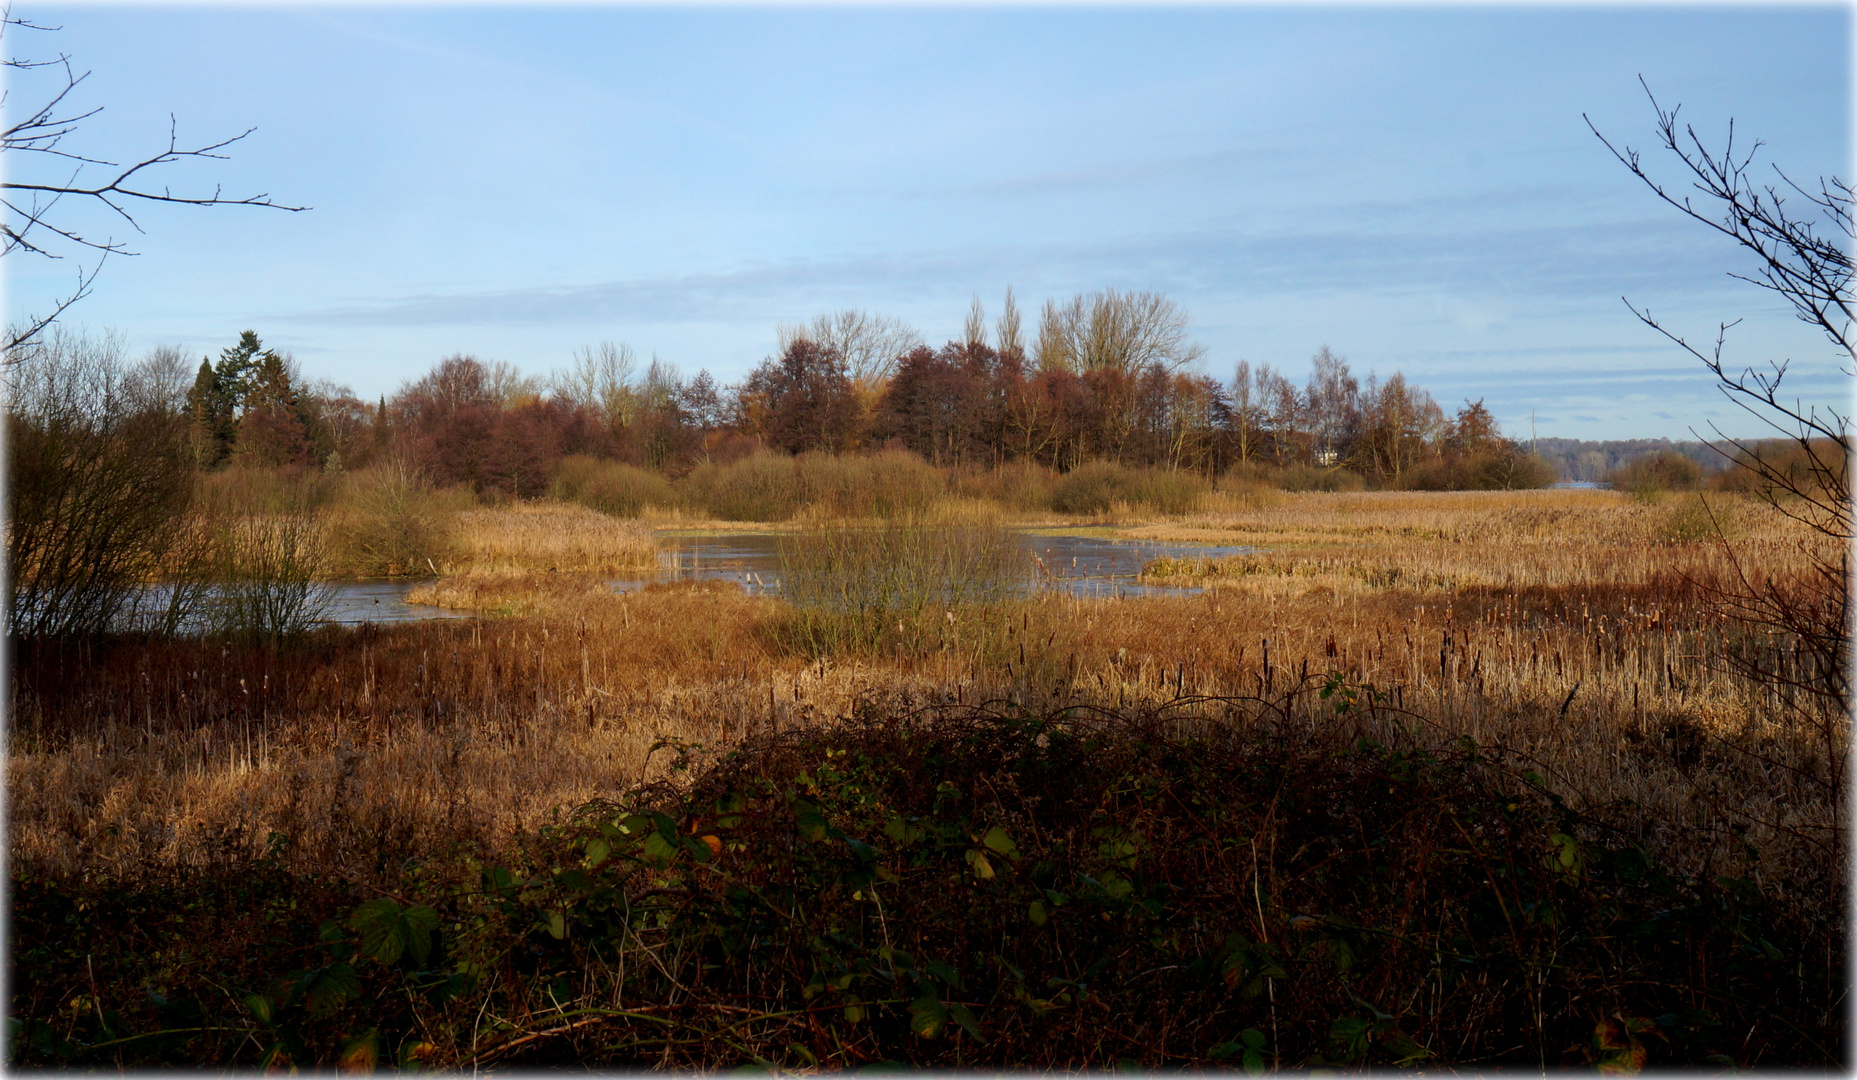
{"points": [[553, 537], [1561, 628]]}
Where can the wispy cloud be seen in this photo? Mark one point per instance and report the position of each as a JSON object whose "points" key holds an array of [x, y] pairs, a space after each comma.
{"points": [[1561, 263]]}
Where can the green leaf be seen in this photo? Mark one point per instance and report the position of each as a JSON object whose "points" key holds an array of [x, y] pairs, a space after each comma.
{"points": [[659, 849], [360, 1054], [1036, 912], [274, 1059], [329, 988], [263, 1008], [1403, 1048], [1566, 855], [927, 1016], [377, 921], [556, 924], [978, 860], [965, 1018], [389, 931], [1349, 1036], [808, 820], [597, 851], [997, 839]]}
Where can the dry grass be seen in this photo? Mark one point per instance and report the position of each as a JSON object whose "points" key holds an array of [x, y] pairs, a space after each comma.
{"points": [[553, 537], [1552, 623]]}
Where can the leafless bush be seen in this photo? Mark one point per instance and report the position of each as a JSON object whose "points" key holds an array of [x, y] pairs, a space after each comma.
{"points": [[388, 524], [1797, 624], [99, 482], [271, 575]]}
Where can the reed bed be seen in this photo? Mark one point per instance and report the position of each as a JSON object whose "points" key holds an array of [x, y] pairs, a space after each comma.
{"points": [[1623, 705], [551, 537], [1562, 637]]}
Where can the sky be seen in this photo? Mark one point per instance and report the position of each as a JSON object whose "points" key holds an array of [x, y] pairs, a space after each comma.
{"points": [[1414, 187]]}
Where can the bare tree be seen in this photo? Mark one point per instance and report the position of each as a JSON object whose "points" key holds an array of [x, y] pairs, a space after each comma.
{"points": [[868, 344], [509, 385], [974, 330], [1801, 256], [1115, 331], [38, 217], [600, 378], [1011, 336], [1333, 400]]}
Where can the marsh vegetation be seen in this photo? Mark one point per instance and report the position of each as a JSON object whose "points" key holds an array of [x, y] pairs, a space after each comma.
{"points": [[1458, 778]]}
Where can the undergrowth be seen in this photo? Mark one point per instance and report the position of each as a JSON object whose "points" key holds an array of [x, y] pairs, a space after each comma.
{"points": [[969, 887]]}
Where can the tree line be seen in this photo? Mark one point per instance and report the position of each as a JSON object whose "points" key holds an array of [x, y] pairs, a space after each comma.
{"points": [[1107, 376]]}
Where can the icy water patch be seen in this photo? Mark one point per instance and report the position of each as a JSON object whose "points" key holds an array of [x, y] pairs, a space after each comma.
{"points": [[1098, 564]]}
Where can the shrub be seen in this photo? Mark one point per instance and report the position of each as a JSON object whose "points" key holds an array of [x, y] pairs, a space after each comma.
{"points": [[389, 524], [611, 487], [1316, 478], [1019, 485], [1692, 519], [887, 484], [1655, 473], [271, 576], [99, 480], [760, 487], [773, 487], [1756, 469], [970, 888], [856, 588], [1097, 486], [1504, 468]]}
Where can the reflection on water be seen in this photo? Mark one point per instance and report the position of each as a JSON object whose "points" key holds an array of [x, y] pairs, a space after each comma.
{"points": [[1087, 566], [350, 603], [1094, 566], [381, 602]]}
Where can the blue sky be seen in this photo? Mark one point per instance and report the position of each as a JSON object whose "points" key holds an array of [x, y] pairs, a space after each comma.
{"points": [[1413, 187]]}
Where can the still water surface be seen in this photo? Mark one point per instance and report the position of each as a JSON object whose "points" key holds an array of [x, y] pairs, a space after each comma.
{"points": [[1091, 566]]}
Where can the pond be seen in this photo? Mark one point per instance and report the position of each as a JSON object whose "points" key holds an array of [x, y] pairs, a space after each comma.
{"points": [[1093, 566], [355, 602], [350, 603], [1086, 566]]}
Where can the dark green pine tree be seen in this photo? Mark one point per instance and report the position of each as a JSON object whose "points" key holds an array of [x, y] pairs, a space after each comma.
{"points": [[211, 412], [237, 365]]}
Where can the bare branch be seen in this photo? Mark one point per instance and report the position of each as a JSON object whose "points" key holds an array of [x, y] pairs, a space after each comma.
{"points": [[35, 205], [1808, 614]]}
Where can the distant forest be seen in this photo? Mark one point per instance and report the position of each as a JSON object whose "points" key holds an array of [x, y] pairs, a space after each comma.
{"points": [[1107, 376], [1576, 459]]}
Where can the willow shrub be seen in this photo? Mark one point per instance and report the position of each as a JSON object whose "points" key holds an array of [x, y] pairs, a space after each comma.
{"points": [[1018, 485], [1098, 486], [611, 487], [759, 487], [887, 484], [904, 584], [387, 522]]}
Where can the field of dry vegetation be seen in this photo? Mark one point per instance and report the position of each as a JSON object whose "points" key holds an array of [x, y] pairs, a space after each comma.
{"points": [[1557, 653]]}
